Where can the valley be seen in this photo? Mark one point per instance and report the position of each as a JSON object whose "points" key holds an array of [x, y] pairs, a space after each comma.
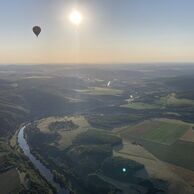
{"points": [[126, 131]]}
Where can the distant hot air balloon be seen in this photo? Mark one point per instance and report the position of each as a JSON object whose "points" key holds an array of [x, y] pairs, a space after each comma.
{"points": [[36, 30]]}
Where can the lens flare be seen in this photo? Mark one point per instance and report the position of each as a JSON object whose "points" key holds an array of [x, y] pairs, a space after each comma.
{"points": [[75, 17]]}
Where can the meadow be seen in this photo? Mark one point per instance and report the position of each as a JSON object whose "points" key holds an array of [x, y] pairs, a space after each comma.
{"points": [[66, 136], [173, 100], [101, 91], [140, 106]]}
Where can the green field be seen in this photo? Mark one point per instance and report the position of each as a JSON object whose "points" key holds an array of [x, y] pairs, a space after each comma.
{"points": [[140, 106], [161, 137], [180, 153], [172, 100], [163, 131], [101, 91]]}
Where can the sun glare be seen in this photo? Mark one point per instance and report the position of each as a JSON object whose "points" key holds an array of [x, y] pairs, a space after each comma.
{"points": [[75, 17]]}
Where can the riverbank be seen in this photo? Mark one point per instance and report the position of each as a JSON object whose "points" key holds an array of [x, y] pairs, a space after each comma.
{"points": [[43, 170], [29, 176]]}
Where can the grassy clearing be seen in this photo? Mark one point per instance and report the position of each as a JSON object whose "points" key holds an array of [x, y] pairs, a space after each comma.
{"points": [[101, 91], [140, 106], [172, 100], [164, 131], [44, 124], [38, 77], [13, 140], [66, 137]]}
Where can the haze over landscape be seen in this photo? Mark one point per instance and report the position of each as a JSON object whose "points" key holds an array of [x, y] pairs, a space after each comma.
{"points": [[96, 97]]}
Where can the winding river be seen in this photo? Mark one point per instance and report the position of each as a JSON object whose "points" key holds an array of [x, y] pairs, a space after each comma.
{"points": [[44, 171]]}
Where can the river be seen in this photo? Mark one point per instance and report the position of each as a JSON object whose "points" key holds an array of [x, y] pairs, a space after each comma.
{"points": [[44, 171]]}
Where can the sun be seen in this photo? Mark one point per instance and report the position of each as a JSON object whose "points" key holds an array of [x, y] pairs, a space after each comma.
{"points": [[75, 17]]}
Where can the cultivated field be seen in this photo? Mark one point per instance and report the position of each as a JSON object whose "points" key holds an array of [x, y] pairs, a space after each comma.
{"points": [[155, 168], [12, 179], [168, 140], [163, 131]]}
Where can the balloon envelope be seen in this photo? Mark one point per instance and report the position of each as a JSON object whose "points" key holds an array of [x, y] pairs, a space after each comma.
{"points": [[36, 30]]}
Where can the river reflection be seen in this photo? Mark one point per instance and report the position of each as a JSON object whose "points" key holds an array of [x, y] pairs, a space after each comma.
{"points": [[44, 171]]}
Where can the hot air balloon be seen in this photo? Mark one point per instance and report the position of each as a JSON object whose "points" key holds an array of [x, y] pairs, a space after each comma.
{"points": [[36, 30]]}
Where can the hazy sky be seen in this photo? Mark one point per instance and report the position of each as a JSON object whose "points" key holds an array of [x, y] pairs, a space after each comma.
{"points": [[112, 31]]}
